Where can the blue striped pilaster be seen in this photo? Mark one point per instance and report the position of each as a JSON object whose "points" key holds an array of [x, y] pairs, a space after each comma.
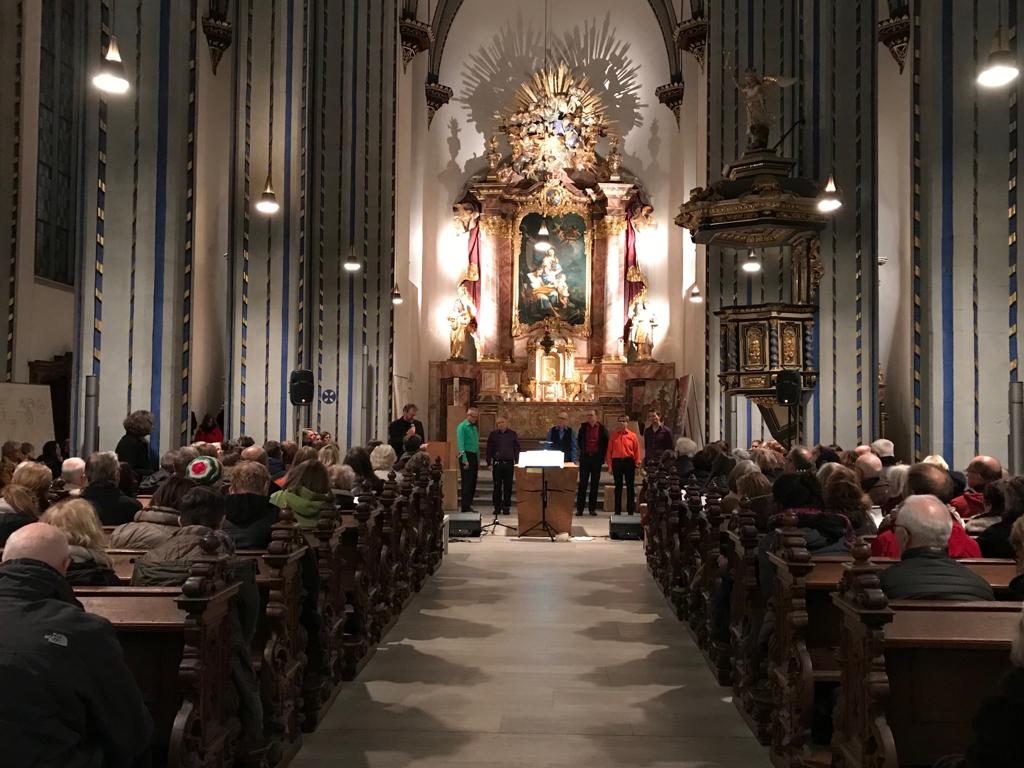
{"points": [[246, 223], [133, 253], [12, 283], [185, 421], [948, 385], [101, 193], [160, 225], [916, 249]]}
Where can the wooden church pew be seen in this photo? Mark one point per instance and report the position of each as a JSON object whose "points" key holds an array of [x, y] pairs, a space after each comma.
{"points": [[176, 643], [913, 672]]}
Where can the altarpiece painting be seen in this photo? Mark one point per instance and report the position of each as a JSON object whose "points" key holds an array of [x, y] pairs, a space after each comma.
{"points": [[552, 271]]}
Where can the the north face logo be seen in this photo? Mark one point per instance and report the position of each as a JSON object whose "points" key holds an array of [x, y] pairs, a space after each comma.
{"points": [[57, 639]]}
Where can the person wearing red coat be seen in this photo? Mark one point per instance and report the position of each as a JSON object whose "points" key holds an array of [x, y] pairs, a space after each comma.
{"points": [[960, 546], [209, 431], [982, 471]]}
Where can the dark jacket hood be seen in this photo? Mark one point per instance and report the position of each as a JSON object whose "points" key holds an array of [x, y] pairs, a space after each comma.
{"points": [[26, 579], [244, 509]]}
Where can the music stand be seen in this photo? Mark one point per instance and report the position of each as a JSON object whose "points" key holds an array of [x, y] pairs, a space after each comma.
{"points": [[542, 460]]}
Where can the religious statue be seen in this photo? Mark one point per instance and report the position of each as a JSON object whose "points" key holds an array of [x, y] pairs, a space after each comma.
{"points": [[642, 322], [462, 321], [548, 284], [754, 89]]}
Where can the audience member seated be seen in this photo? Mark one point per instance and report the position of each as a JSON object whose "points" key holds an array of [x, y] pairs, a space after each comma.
{"points": [[926, 571], [886, 451], [800, 493], [90, 566], [153, 525], [825, 454], [77, 703], [925, 480], [366, 480], [343, 479], [205, 470], [843, 495], [299, 456], [686, 449], [10, 457], [731, 500], [329, 455], [869, 471], [383, 459], [410, 447], [202, 513], [937, 460], [249, 515], [51, 456], [980, 472], [306, 492], [254, 453], [799, 459], [896, 477], [418, 463], [72, 475], [275, 463], [994, 541], [208, 431], [112, 506], [995, 506], [768, 461], [126, 481], [19, 506], [758, 490], [825, 471], [133, 447]]}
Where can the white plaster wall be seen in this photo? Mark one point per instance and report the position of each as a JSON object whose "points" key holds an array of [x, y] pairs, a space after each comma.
{"points": [[490, 50]]}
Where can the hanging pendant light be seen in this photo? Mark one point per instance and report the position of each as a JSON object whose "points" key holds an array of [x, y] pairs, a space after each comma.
{"points": [[542, 244], [396, 296], [110, 78], [351, 263], [830, 199], [696, 297], [1001, 66], [751, 264], [267, 204]]}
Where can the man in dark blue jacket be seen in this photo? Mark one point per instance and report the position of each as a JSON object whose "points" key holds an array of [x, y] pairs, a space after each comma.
{"points": [[69, 700]]}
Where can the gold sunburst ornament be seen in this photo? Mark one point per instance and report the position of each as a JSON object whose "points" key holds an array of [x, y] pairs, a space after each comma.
{"points": [[554, 123]]}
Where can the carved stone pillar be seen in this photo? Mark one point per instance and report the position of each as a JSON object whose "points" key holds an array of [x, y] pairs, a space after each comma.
{"points": [[610, 242], [494, 230]]}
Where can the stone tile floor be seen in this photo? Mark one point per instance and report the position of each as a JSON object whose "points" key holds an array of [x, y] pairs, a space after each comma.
{"points": [[529, 653]]}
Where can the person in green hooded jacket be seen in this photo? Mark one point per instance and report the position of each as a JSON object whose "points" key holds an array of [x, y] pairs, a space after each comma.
{"points": [[307, 490]]}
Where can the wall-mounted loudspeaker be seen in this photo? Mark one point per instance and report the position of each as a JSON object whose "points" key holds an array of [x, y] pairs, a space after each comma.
{"points": [[787, 387], [300, 387]]}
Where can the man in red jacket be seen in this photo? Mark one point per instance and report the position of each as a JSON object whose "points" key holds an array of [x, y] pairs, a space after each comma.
{"points": [[980, 472]]}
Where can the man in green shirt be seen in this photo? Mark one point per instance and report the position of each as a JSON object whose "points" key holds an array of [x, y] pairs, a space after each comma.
{"points": [[467, 440]]}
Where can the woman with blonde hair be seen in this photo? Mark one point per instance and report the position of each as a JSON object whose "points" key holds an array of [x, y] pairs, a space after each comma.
{"points": [[382, 459], [24, 498], [90, 566], [329, 455], [10, 457], [843, 495]]}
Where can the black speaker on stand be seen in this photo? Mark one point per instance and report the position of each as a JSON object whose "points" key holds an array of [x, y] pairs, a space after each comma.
{"points": [[788, 392], [301, 390]]}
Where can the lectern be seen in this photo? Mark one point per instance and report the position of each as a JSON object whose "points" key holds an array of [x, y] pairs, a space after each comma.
{"points": [[545, 493]]}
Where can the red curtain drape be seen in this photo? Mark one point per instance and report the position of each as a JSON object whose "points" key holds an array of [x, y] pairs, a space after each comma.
{"points": [[473, 268], [630, 287]]}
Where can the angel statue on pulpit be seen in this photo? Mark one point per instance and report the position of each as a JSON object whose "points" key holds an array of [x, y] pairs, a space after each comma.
{"points": [[754, 87], [642, 322]]}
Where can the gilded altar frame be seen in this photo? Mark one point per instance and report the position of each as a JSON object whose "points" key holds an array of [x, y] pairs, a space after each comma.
{"points": [[553, 200]]}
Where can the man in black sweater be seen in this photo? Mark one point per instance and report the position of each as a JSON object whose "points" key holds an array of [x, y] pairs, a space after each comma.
{"points": [[926, 571], [402, 427]]}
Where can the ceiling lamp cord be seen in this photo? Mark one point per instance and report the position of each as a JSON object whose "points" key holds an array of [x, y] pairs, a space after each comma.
{"points": [[268, 200]]}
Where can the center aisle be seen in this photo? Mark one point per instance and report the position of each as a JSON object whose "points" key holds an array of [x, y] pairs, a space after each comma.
{"points": [[522, 653]]}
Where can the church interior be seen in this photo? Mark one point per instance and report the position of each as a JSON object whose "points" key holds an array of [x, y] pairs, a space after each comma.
{"points": [[545, 382]]}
